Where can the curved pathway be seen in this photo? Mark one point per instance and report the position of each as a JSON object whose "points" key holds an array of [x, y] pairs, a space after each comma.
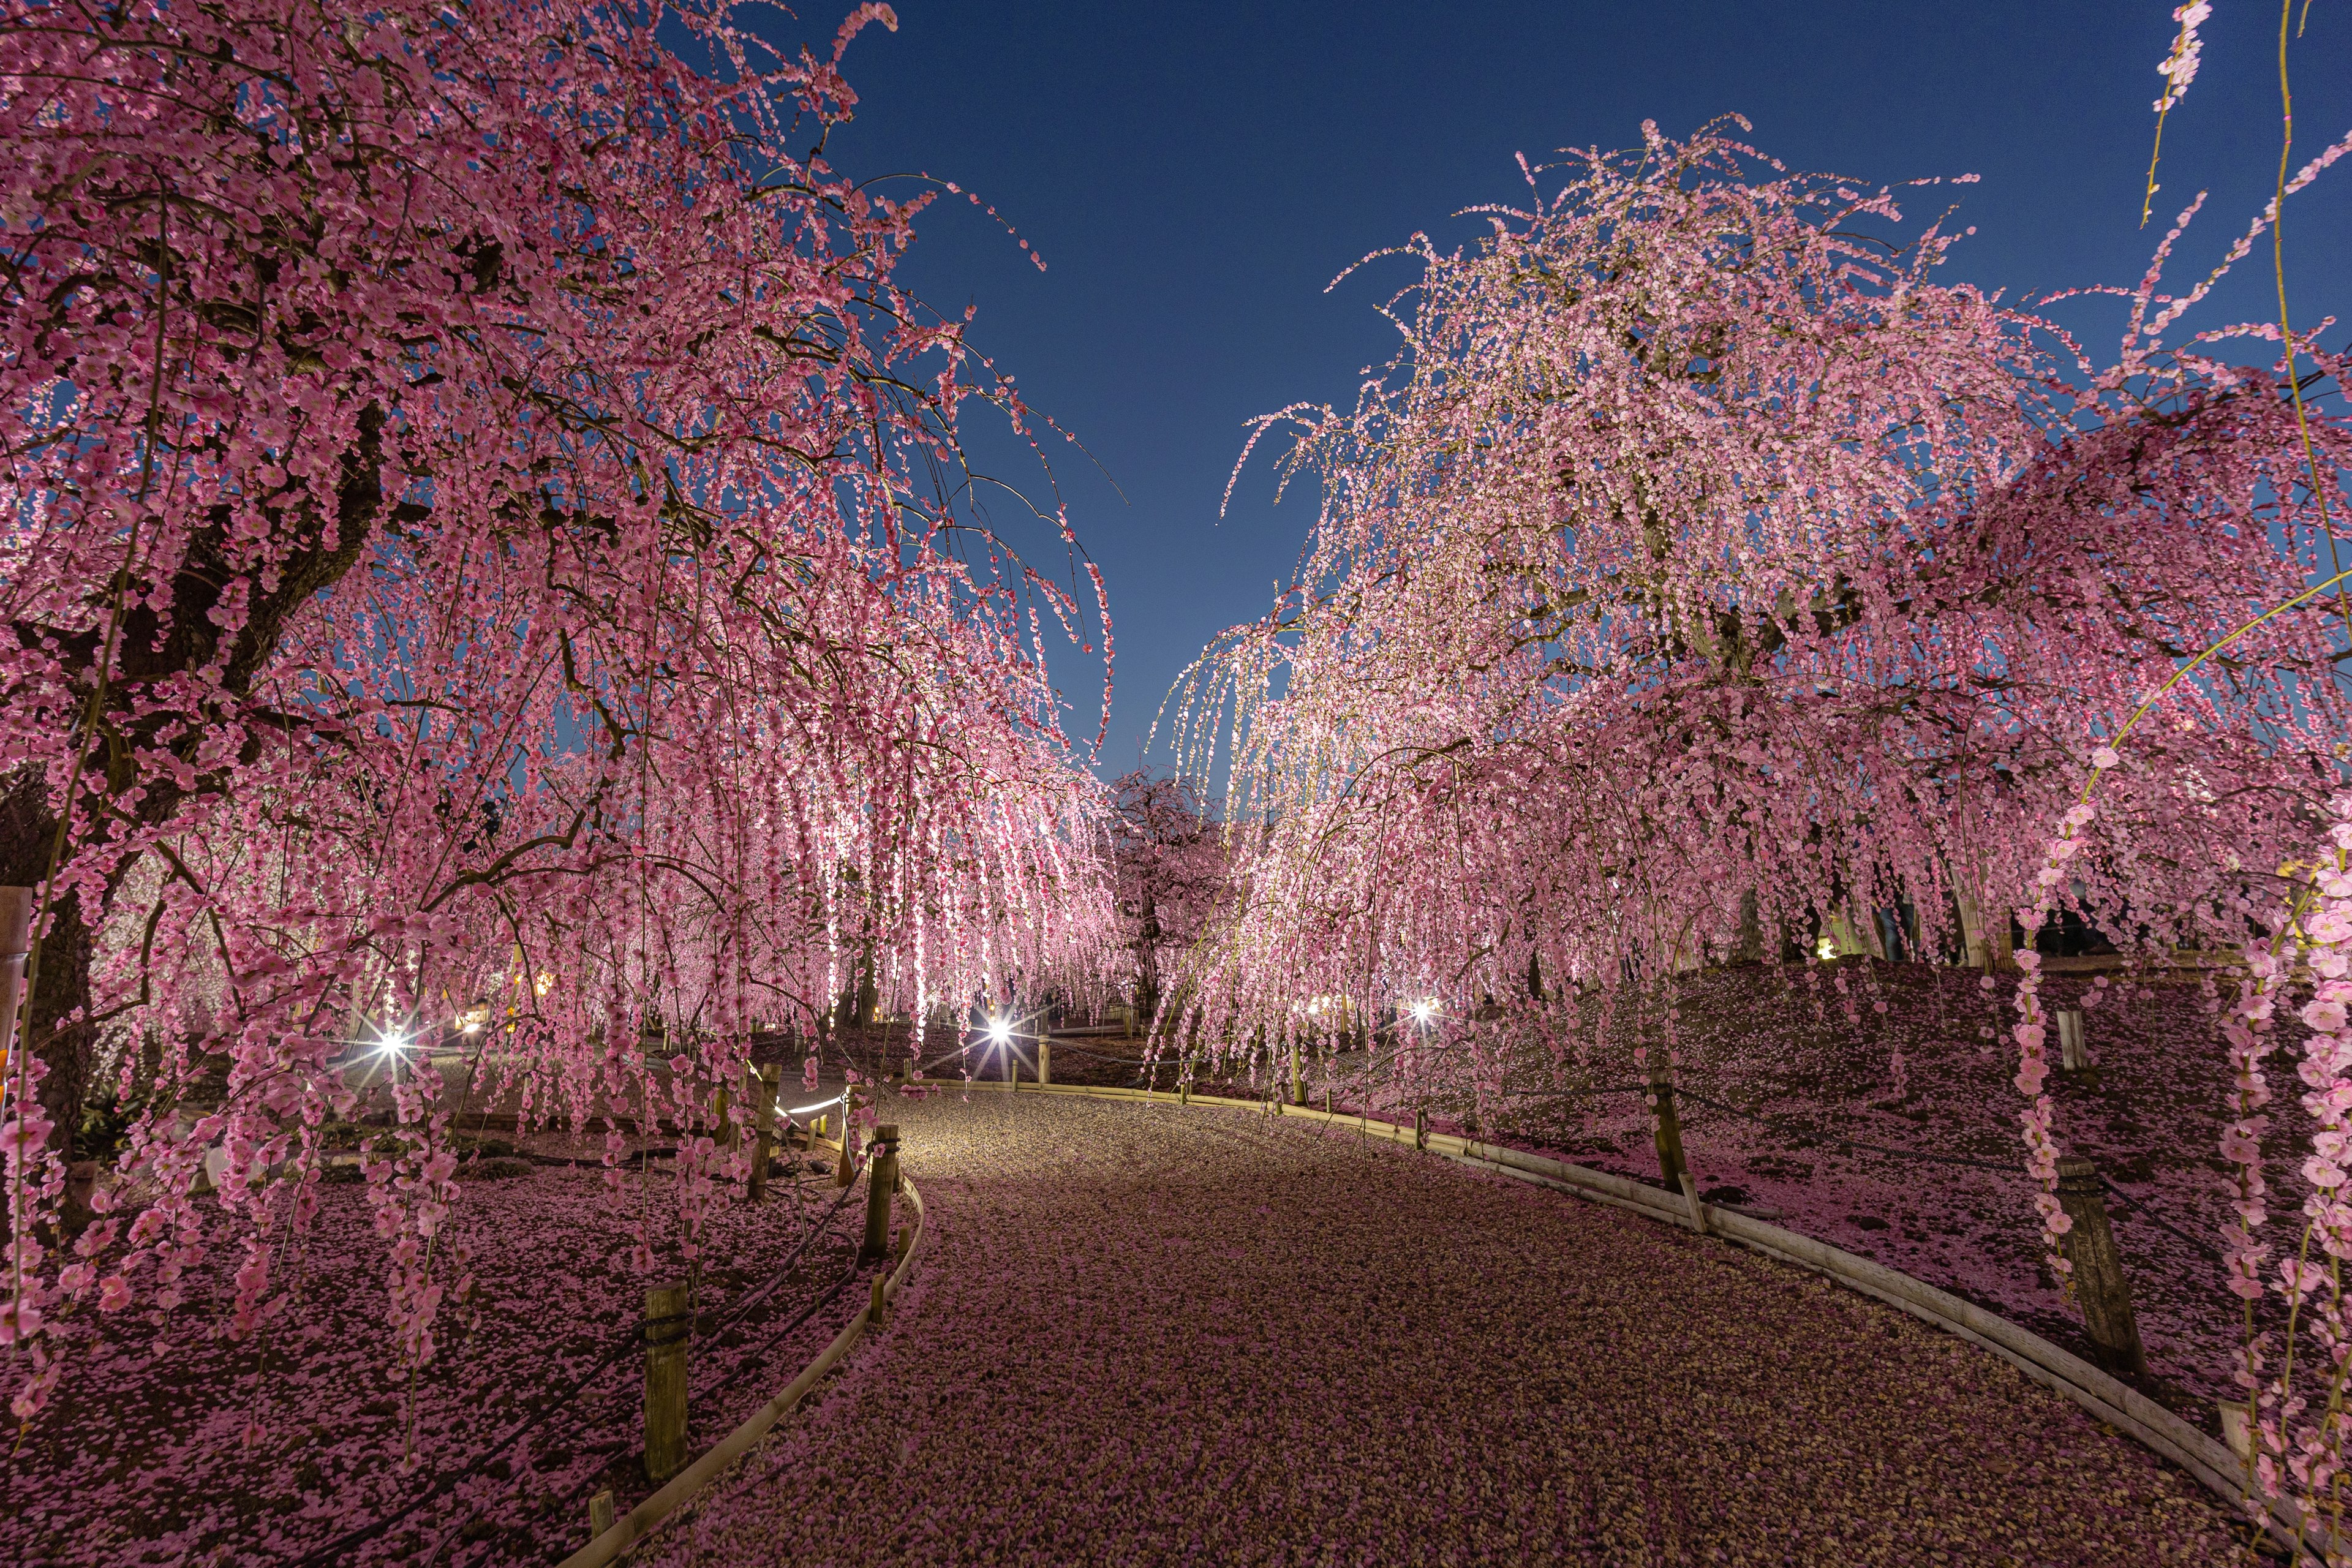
{"points": [[1141, 1334]]}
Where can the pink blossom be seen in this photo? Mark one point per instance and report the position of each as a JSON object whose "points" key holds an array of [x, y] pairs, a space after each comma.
{"points": [[20, 1319], [2301, 1278], [2178, 67]]}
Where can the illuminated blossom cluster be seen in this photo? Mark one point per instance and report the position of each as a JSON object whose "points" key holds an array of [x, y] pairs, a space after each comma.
{"points": [[1706, 578], [484, 577], [2178, 67], [2302, 1422]]}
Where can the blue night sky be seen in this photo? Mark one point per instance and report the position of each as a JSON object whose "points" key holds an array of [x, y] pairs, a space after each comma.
{"points": [[1194, 175]]}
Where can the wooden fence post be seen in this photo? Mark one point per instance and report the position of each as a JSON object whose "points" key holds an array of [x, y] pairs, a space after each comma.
{"points": [[1045, 1062], [16, 938], [1976, 947], [764, 1116], [668, 1326], [1669, 1128], [81, 1184], [881, 1181], [2072, 1057], [599, 1513], [2236, 1429], [2099, 1280], [1697, 1209], [1421, 1129]]}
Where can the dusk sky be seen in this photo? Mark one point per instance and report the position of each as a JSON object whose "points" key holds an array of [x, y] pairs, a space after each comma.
{"points": [[1195, 175]]}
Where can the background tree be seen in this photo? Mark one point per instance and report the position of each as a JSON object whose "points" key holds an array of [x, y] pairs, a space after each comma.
{"points": [[1168, 858]]}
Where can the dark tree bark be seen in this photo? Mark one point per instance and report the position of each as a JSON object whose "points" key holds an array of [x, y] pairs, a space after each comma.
{"points": [[28, 830], [59, 1030]]}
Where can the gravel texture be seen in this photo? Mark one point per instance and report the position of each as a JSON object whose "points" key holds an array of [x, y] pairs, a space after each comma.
{"points": [[1142, 1334]]}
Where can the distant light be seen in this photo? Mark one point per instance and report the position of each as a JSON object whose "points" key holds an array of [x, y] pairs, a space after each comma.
{"points": [[1000, 1030], [1825, 949], [473, 1025], [1423, 1012], [392, 1045]]}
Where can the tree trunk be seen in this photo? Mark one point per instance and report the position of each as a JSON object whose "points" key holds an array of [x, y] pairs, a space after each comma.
{"points": [[1751, 930], [148, 655], [28, 830], [1147, 943]]}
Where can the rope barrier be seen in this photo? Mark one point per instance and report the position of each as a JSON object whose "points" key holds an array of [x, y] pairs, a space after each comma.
{"points": [[2131, 1205], [922, 1068], [1577, 1093], [1844, 1143], [630, 1338], [1782, 1126], [2203, 1249], [744, 1305], [805, 1314], [2135, 1206], [1105, 1056], [339, 1548], [1774, 1124]]}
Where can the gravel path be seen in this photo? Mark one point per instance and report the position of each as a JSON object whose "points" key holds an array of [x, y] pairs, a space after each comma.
{"points": [[1145, 1335]]}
